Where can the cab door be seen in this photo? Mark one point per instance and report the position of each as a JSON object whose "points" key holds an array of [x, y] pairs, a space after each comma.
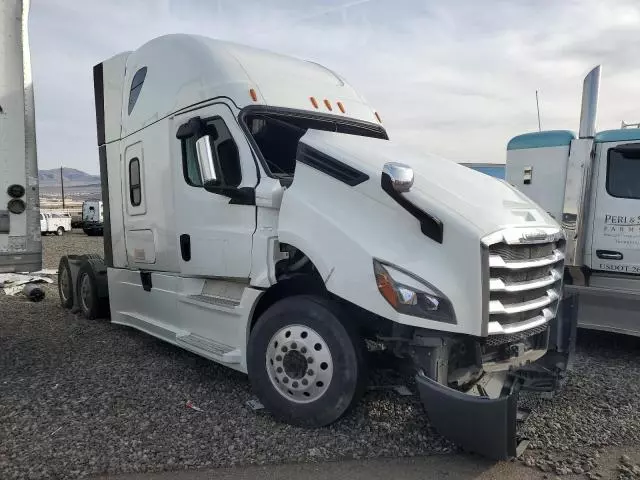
{"points": [[214, 231], [616, 220]]}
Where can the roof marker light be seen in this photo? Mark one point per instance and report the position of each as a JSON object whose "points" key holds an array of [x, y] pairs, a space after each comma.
{"points": [[341, 107], [314, 102], [378, 117], [253, 94], [327, 104]]}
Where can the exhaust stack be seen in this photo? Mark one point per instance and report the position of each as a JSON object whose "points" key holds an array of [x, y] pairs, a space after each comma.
{"points": [[590, 91]]}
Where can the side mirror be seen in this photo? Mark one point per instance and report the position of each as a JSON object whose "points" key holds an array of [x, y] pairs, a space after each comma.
{"points": [[206, 161], [401, 176]]}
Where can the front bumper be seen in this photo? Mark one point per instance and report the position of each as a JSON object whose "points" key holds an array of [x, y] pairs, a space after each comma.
{"points": [[478, 424]]}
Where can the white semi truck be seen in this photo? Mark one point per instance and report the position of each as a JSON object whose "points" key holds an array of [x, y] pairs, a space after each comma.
{"points": [[93, 217], [257, 214], [591, 184], [20, 243]]}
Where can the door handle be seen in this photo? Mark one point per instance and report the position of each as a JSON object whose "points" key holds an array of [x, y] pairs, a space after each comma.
{"points": [[608, 255], [185, 247]]}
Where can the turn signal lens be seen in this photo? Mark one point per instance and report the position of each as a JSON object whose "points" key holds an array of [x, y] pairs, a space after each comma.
{"points": [[385, 286]]}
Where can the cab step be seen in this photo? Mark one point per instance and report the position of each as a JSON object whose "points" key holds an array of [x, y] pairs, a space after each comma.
{"points": [[224, 353]]}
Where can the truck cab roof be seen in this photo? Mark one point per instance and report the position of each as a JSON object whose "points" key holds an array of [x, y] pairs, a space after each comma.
{"points": [[174, 72]]}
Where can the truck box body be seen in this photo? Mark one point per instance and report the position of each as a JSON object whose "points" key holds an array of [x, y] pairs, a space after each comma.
{"points": [[55, 222], [243, 188], [20, 244]]}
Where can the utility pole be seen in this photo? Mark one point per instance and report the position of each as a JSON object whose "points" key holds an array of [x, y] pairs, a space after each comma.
{"points": [[538, 108], [62, 186]]}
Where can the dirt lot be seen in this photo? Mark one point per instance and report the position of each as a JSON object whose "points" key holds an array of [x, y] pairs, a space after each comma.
{"points": [[81, 398]]}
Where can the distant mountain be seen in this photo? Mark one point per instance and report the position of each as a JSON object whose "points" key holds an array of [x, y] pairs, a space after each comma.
{"points": [[71, 177]]}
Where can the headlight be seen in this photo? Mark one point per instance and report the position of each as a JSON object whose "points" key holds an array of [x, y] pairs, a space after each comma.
{"points": [[411, 295]]}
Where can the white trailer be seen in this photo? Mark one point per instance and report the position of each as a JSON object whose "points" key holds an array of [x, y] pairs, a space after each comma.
{"points": [[55, 222], [20, 244], [93, 217], [591, 184], [257, 214]]}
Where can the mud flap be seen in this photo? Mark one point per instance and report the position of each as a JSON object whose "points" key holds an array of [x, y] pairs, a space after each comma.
{"points": [[477, 424]]}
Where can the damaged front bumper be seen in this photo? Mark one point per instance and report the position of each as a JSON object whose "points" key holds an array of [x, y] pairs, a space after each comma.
{"points": [[482, 425], [485, 425]]}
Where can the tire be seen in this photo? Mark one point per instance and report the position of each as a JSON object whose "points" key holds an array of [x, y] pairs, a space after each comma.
{"points": [[335, 379], [87, 288], [60, 231], [65, 283]]}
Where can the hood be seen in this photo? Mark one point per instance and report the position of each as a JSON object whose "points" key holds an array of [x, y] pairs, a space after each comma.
{"points": [[488, 203]]}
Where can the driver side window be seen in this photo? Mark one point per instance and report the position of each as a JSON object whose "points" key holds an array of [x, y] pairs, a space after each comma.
{"points": [[224, 149]]}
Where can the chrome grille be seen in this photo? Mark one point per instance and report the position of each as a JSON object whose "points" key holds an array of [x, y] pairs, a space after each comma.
{"points": [[525, 278]]}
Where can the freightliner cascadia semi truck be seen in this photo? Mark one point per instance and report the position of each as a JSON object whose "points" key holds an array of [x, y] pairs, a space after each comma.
{"points": [[256, 213]]}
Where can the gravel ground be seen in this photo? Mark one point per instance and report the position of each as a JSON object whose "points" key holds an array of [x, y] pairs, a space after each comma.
{"points": [[82, 397]]}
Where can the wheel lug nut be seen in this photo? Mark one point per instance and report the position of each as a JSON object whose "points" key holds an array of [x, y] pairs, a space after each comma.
{"points": [[303, 350], [279, 369], [285, 380], [294, 345], [305, 382], [294, 384], [309, 372], [279, 358], [284, 349], [309, 359]]}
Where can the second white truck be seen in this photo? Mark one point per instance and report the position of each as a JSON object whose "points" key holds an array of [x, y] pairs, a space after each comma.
{"points": [[256, 213], [590, 182]]}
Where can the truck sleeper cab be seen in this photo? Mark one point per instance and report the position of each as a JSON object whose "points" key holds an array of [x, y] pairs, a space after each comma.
{"points": [[257, 214]]}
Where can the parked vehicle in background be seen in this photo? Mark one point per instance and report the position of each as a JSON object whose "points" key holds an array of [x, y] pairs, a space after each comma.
{"points": [[496, 170], [20, 243], [55, 222], [93, 217], [591, 184]]}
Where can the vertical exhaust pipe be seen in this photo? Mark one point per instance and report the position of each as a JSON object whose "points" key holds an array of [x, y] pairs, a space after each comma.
{"points": [[590, 91]]}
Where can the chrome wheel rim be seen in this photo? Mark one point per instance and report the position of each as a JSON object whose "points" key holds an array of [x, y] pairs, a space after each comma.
{"points": [[299, 363], [85, 292]]}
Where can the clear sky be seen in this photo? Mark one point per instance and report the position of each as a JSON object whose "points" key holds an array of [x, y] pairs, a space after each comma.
{"points": [[456, 78]]}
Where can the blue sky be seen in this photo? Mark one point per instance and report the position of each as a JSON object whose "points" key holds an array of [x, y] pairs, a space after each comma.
{"points": [[456, 78]]}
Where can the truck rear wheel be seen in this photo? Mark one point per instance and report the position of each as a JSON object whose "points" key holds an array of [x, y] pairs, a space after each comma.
{"points": [[90, 303], [65, 283], [60, 231], [305, 363]]}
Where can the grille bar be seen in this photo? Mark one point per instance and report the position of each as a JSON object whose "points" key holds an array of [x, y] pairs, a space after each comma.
{"points": [[499, 285], [498, 307], [496, 261]]}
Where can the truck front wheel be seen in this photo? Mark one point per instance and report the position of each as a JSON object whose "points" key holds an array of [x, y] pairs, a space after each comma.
{"points": [[305, 362]]}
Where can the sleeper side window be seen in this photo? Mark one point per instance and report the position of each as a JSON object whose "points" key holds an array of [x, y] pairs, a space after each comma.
{"points": [[135, 188], [225, 152], [136, 86], [623, 173]]}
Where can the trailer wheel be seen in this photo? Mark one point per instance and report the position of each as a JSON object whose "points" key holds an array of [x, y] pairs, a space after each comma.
{"points": [[305, 362], [60, 231], [65, 283], [87, 287]]}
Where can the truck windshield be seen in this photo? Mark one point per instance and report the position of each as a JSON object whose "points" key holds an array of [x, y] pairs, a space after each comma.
{"points": [[276, 133]]}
